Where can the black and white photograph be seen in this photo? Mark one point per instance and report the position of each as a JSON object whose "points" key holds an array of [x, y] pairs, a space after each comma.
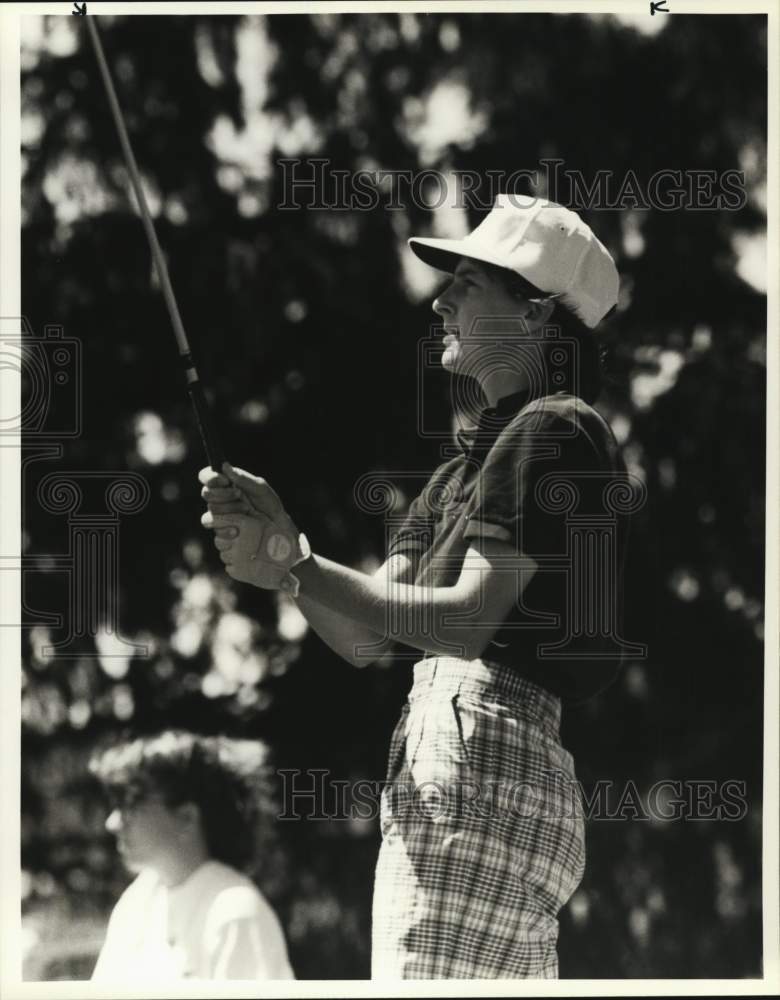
{"points": [[389, 435]]}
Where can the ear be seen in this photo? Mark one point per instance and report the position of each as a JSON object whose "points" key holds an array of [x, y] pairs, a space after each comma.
{"points": [[539, 311]]}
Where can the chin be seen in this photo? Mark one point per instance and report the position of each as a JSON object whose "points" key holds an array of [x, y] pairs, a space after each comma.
{"points": [[450, 360], [132, 862]]}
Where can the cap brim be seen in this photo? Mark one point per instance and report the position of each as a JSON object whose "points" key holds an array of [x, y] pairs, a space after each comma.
{"points": [[445, 255]]}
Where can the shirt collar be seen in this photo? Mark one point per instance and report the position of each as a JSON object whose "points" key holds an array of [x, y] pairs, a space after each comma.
{"points": [[508, 406], [478, 440]]}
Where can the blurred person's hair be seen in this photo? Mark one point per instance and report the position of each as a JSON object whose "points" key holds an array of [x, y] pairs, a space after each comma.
{"points": [[224, 778], [587, 380]]}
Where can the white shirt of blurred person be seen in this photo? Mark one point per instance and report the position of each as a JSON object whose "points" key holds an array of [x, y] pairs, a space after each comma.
{"points": [[180, 825]]}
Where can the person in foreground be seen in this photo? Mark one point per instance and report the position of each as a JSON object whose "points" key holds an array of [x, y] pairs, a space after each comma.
{"points": [[183, 824], [482, 837]]}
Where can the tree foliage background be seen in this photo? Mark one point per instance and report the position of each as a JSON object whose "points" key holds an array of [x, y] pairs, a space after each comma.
{"points": [[305, 325]]}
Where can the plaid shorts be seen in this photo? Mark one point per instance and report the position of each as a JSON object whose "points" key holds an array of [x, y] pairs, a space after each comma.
{"points": [[482, 829]]}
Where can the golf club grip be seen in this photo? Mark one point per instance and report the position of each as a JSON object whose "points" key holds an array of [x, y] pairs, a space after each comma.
{"points": [[208, 432]]}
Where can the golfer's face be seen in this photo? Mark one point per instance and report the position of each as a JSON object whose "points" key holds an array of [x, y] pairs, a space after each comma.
{"points": [[147, 832], [473, 297]]}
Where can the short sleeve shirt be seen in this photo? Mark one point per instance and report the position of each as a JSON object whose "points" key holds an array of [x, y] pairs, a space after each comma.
{"points": [[539, 475]]}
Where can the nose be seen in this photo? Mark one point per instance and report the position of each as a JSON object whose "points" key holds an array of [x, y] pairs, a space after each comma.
{"points": [[442, 305], [114, 821]]}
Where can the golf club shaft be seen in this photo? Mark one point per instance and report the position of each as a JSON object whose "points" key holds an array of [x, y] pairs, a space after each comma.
{"points": [[194, 386]]}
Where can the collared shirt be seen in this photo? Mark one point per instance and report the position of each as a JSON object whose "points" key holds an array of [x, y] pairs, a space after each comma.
{"points": [[536, 473]]}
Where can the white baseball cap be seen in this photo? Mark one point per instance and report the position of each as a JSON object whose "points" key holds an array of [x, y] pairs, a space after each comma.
{"points": [[543, 242]]}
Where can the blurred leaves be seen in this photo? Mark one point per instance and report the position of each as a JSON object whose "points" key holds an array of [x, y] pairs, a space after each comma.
{"points": [[308, 345]]}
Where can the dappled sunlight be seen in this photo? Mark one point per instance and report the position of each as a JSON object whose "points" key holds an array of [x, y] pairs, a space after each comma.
{"points": [[113, 653], [292, 626], [443, 117], [750, 249], [645, 387], [74, 189], [306, 326], [155, 443]]}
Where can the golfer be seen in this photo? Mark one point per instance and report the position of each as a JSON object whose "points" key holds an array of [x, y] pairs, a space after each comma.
{"points": [[182, 818], [483, 842]]}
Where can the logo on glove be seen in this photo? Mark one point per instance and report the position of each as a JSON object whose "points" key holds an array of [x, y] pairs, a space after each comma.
{"points": [[278, 547]]}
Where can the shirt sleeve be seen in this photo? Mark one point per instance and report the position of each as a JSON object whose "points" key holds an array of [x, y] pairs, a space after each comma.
{"points": [[246, 939], [415, 534], [506, 501], [243, 951]]}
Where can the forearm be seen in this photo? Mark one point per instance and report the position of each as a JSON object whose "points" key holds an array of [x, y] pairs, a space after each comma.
{"points": [[422, 617], [259, 544], [356, 643]]}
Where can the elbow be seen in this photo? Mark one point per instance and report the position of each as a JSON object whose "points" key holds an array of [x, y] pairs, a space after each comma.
{"points": [[365, 654], [355, 659], [360, 661], [470, 644], [476, 647]]}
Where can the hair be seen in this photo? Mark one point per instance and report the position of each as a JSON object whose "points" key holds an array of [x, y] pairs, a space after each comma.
{"points": [[587, 380], [220, 776]]}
